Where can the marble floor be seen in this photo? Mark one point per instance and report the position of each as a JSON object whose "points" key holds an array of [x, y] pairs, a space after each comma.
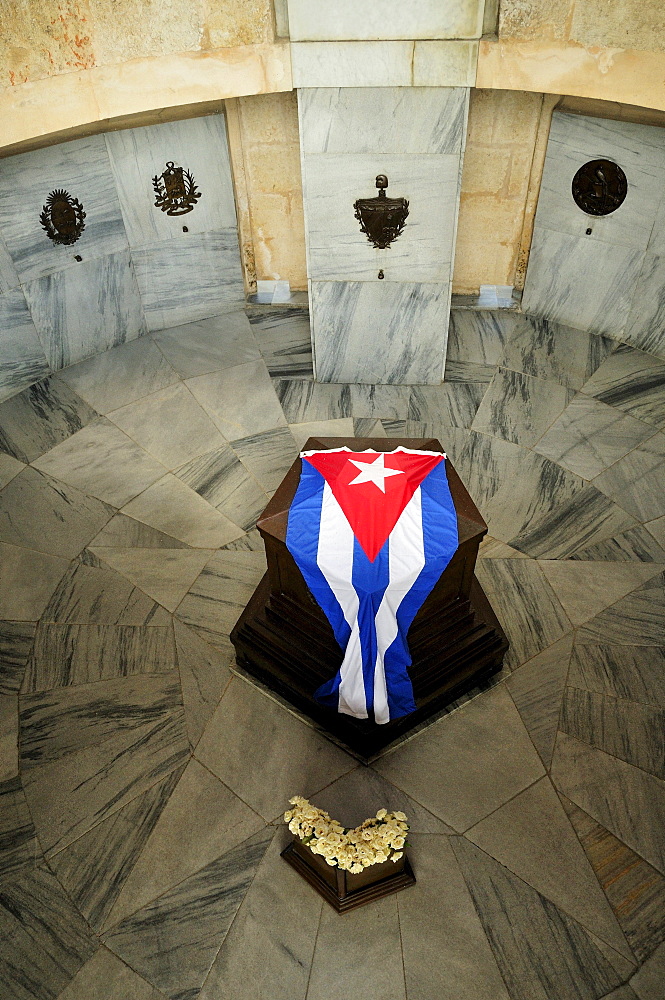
{"points": [[142, 778]]}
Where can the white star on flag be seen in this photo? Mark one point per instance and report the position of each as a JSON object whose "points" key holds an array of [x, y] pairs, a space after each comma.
{"points": [[373, 472]]}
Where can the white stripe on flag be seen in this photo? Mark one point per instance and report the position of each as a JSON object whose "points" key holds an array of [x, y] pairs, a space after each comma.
{"points": [[335, 560], [406, 559]]}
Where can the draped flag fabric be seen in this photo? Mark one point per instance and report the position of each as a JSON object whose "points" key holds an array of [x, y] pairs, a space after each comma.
{"points": [[372, 532]]}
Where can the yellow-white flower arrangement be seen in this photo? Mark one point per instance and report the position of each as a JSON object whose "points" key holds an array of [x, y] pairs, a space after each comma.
{"points": [[377, 839]]}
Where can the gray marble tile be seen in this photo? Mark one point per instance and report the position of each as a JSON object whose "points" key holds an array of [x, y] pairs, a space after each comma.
{"points": [[209, 277], [66, 720], [82, 168], [8, 276], [65, 655], [478, 336], [525, 604], [631, 732], [103, 461], [626, 800], [586, 588], [453, 960], [105, 977], [634, 673], [281, 751], [90, 595], [96, 867], [175, 509], [390, 402], [532, 837], [467, 371], [204, 674], [438, 408], [81, 312], [388, 332], [519, 408], [631, 381], [344, 427], [221, 479], [9, 763], [643, 327], [44, 514], [18, 846], [222, 341], [268, 951], [22, 357], [562, 267], [635, 481], [589, 436], [197, 144], [127, 531], [367, 426], [337, 249], [656, 529], [163, 574], [353, 120], [573, 525], [306, 402], [480, 762], [46, 941], [637, 544], [71, 796], [173, 941], [219, 595], [267, 456], [637, 619], [224, 395], [537, 690], [285, 342], [28, 580], [169, 853], [635, 891], [551, 351], [9, 469], [16, 639], [117, 377], [251, 541], [551, 956], [170, 425], [647, 981], [40, 417]]}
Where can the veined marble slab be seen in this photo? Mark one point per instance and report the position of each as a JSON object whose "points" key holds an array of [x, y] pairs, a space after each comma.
{"points": [[353, 120], [550, 350], [285, 342], [82, 168], [644, 327], [8, 275], [316, 20], [447, 63], [339, 251], [17, 833], [172, 507], [40, 417], [225, 394], [562, 269], [633, 382], [389, 332], [82, 311], [478, 336], [520, 408], [222, 341], [199, 145], [22, 357], [209, 277], [635, 482], [221, 479]]}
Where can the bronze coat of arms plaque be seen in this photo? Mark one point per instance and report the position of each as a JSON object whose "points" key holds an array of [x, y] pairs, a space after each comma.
{"points": [[176, 190], [381, 219], [62, 218], [599, 187]]}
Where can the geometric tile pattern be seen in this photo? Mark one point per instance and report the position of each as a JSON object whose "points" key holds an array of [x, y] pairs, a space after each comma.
{"points": [[139, 853]]}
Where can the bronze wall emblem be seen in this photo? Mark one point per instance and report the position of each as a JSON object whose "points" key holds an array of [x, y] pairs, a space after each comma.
{"points": [[599, 187], [381, 219], [176, 190], [62, 218]]}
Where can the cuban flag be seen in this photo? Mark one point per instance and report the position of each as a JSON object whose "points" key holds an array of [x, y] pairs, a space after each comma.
{"points": [[372, 532]]}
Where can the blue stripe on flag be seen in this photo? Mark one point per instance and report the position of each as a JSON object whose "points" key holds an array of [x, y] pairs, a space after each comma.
{"points": [[370, 580]]}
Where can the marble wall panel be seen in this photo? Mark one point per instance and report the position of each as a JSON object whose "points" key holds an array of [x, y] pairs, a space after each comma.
{"points": [[8, 273], [190, 278], [83, 169], [352, 64], [379, 332], [200, 146], [339, 251], [645, 327], [318, 20], [22, 358], [83, 311]]}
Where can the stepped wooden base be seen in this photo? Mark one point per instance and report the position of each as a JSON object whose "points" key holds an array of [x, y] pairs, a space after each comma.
{"points": [[292, 651], [343, 890]]}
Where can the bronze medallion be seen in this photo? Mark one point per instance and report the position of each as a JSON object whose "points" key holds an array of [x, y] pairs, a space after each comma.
{"points": [[62, 218], [381, 219], [176, 190], [599, 187]]}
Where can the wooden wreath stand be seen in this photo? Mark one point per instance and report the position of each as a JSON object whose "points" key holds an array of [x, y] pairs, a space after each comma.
{"points": [[285, 641]]}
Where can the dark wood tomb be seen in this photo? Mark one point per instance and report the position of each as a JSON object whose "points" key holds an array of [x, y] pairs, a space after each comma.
{"points": [[285, 641]]}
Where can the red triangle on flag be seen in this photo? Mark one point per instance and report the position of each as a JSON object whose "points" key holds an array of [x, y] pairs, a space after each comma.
{"points": [[373, 488]]}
